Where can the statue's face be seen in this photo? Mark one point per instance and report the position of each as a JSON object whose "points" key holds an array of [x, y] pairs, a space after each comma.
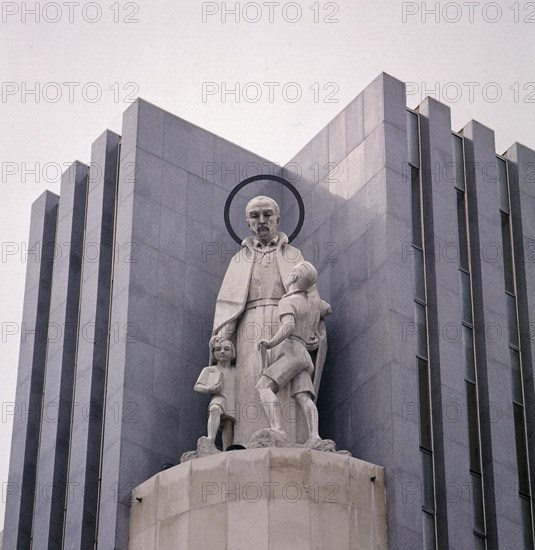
{"points": [[223, 351], [292, 277], [262, 219]]}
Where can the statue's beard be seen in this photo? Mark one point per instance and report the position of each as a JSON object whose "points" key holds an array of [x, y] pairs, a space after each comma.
{"points": [[264, 233]]}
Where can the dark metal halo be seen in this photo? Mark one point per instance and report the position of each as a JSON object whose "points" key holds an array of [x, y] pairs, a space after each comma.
{"points": [[278, 179]]}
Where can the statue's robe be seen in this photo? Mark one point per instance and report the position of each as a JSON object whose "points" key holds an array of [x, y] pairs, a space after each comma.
{"points": [[247, 310]]}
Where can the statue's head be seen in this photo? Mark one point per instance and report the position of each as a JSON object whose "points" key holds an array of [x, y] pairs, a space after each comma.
{"points": [[303, 275], [221, 349], [263, 217]]}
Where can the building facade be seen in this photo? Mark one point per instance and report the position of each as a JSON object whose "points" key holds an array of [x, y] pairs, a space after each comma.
{"points": [[424, 241]]}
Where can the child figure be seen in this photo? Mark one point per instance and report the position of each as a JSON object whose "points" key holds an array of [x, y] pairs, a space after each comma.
{"points": [[293, 364], [219, 380]]}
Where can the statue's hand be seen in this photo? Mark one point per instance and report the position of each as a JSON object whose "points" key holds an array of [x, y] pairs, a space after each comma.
{"points": [[264, 343], [212, 340], [325, 308], [218, 387]]}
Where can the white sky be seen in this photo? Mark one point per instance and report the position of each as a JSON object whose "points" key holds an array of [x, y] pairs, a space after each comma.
{"points": [[167, 55]]}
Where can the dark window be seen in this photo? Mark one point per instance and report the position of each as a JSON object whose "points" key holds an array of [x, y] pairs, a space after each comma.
{"points": [[425, 406], [429, 490], [477, 499], [521, 455], [502, 185], [526, 519], [466, 296], [419, 281], [430, 542], [468, 346], [463, 235], [416, 208], [413, 139], [458, 162], [511, 315], [421, 327], [473, 428], [507, 255], [480, 542], [516, 376]]}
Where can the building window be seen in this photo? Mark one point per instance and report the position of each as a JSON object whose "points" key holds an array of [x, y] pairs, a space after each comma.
{"points": [[458, 162], [425, 409], [413, 138], [507, 254]]}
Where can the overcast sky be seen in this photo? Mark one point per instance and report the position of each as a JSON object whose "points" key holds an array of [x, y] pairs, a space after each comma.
{"points": [[85, 61]]}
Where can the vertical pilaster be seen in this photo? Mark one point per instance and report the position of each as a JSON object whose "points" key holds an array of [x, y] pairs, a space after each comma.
{"points": [[93, 330], [60, 361], [503, 515], [21, 487], [522, 195], [447, 373]]}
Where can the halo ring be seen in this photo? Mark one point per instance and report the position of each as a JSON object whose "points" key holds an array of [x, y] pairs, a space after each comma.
{"points": [[269, 177]]}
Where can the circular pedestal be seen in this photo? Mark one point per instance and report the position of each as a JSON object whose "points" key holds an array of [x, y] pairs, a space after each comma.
{"points": [[264, 499]]}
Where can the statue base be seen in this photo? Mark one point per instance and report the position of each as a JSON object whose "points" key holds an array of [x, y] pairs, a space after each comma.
{"points": [[264, 498], [263, 439], [205, 447], [273, 438]]}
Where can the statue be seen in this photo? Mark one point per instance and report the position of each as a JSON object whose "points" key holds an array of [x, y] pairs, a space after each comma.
{"points": [[293, 364], [247, 311], [269, 319], [219, 380]]}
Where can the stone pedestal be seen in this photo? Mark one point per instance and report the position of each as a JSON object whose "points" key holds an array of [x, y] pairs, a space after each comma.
{"points": [[272, 498]]}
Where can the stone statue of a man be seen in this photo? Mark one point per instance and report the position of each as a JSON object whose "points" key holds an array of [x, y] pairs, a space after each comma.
{"points": [[247, 312]]}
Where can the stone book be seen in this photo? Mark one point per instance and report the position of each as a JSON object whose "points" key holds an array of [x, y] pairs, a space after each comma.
{"points": [[208, 378]]}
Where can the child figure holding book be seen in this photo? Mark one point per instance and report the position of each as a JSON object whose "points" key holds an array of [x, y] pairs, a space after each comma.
{"points": [[219, 379]]}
